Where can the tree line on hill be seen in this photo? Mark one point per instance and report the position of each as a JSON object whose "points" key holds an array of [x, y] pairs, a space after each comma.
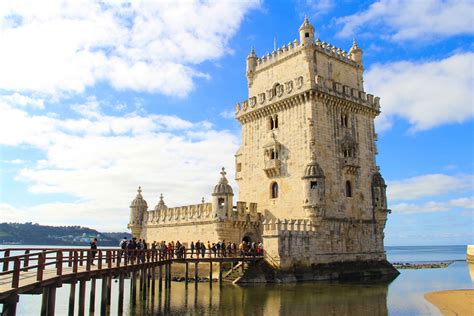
{"points": [[36, 234]]}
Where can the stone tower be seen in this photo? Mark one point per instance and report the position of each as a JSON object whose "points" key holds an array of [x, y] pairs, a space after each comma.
{"points": [[138, 213], [222, 195], [308, 148]]}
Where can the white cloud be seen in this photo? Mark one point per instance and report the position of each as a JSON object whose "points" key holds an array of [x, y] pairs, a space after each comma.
{"points": [[314, 7], [17, 99], [411, 20], [60, 47], [427, 94], [466, 203], [427, 186], [99, 160], [227, 114]]}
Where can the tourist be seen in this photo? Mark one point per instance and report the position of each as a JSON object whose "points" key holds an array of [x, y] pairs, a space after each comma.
{"points": [[93, 250], [203, 249], [214, 249], [192, 249], [218, 248], [209, 247], [198, 248], [123, 246]]}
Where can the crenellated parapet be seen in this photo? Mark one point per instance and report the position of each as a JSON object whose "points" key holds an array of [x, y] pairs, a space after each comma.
{"points": [[335, 52], [188, 213], [281, 227], [293, 92]]}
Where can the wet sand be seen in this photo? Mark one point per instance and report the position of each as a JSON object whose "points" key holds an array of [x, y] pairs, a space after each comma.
{"points": [[453, 302]]}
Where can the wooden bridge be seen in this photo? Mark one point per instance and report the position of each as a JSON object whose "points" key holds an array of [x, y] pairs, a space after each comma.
{"points": [[41, 271]]}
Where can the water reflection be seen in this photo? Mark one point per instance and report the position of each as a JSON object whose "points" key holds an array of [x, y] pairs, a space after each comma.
{"points": [[284, 299]]}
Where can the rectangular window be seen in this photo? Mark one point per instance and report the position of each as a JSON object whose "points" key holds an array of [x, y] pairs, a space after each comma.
{"points": [[238, 167], [314, 185]]}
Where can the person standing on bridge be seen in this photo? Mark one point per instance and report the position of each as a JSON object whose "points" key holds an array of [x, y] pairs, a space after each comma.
{"points": [[93, 250]]}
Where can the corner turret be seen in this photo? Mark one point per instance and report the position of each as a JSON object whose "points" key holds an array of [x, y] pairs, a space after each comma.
{"points": [[251, 65], [314, 190], [355, 53], [138, 209], [222, 198], [306, 33]]}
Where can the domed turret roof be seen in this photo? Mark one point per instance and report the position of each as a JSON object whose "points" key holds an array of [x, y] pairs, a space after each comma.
{"points": [[377, 180], [306, 25], [313, 170], [139, 201], [161, 204], [354, 47], [223, 186]]}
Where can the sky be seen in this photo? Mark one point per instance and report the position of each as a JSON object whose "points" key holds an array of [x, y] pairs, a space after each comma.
{"points": [[100, 97]]}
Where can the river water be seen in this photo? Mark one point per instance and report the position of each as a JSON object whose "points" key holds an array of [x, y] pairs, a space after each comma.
{"points": [[402, 296]]}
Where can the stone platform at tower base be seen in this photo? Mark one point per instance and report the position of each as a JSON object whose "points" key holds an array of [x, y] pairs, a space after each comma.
{"points": [[263, 272]]}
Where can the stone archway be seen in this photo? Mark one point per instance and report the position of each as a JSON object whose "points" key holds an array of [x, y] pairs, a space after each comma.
{"points": [[247, 239]]}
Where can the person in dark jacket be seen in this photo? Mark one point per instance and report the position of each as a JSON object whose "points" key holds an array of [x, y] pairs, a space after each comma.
{"points": [[93, 250]]}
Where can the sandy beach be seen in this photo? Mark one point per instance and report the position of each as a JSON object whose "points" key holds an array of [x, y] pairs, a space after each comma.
{"points": [[453, 302]]}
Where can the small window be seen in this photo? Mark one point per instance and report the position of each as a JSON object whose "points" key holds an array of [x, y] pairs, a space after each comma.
{"points": [[348, 189], [274, 189], [238, 167], [271, 123], [276, 121], [306, 34], [344, 120], [314, 185], [220, 202]]}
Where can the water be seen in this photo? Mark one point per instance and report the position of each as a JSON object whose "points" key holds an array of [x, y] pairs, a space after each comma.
{"points": [[403, 296]]}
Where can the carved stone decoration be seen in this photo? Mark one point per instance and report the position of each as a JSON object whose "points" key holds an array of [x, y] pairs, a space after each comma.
{"points": [[270, 94], [253, 101], [261, 98], [299, 82], [237, 108], [289, 86], [279, 90], [245, 105]]}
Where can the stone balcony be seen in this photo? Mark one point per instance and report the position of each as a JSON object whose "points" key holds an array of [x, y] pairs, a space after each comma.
{"points": [[272, 168]]}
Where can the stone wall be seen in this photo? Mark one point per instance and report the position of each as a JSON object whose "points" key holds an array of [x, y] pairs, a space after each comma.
{"points": [[301, 243]]}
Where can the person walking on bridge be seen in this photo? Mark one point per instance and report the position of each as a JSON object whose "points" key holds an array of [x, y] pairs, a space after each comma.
{"points": [[93, 250]]}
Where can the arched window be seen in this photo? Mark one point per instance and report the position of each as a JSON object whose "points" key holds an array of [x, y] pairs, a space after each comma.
{"points": [[348, 189], [271, 124], [276, 121], [274, 188]]}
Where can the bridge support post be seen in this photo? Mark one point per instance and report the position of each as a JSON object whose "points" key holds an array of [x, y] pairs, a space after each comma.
{"points": [[133, 285], [82, 297], [92, 297], [9, 306], [109, 289], [220, 273], [186, 272], [196, 273], [160, 281], [153, 277], [120, 295], [210, 273], [72, 299], [51, 302], [143, 282], [103, 296]]}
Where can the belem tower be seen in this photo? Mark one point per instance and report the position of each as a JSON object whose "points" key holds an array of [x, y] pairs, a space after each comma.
{"points": [[309, 186]]}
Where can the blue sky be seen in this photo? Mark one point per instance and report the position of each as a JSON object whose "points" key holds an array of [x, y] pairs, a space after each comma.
{"points": [[98, 98]]}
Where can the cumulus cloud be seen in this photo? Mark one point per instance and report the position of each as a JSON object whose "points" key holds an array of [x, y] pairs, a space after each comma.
{"points": [[67, 46], [99, 161], [314, 7], [466, 203], [427, 186], [427, 94], [411, 20]]}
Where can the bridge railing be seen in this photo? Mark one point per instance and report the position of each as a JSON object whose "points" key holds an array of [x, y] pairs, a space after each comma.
{"points": [[39, 260]]}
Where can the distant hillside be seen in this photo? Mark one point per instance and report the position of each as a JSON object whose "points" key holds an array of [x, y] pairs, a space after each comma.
{"points": [[35, 234]]}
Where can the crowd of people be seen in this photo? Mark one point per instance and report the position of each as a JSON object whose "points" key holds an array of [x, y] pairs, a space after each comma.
{"points": [[196, 249]]}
